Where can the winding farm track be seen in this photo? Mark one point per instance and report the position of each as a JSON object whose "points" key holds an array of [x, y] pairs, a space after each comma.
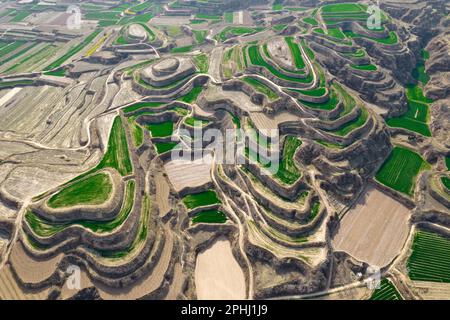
{"points": [[241, 239], [17, 229]]}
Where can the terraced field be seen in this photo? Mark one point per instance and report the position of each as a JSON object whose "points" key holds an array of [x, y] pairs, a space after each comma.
{"points": [[205, 198], [46, 228], [162, 129], [74, 50], [260, 87], [288, 172], [230, 32], [400, 170], [209, 216], [90, 116], [92, 190], [117, 155]]}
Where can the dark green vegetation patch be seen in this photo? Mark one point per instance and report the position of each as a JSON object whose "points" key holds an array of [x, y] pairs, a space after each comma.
{"points": [[162, 129], [400, 170], [386, 291], [430, 258], [261, 87], [45, 228], [195, 200], [288, 172], [117, 156], [92, 190], [210, 216], [416, 117]]}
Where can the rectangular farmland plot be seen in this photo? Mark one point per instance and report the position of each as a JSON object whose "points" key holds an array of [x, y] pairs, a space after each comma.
{"points": [[195, 200], [386, 291], [430, 258], [400, 170], [163, 129]]}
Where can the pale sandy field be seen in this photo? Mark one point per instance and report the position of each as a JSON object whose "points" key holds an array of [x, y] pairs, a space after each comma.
{"points": [[183, 174], [217, 273], [375, 230]]}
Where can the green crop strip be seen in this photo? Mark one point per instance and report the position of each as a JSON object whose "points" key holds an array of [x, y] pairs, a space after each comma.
{"points": [[231, 31], [308, 50], [257, 59], [319, 30], [348, 100], [18, 54], [210, 216], [200, 35], [197, 21], [343, 7], [137, 132], [366, 67], [277, 5], [336, 33], [288, 172], [192, 95], [10, 47], [357, 54], [446, 182], [44, 228], [162, 129], [194, 122], [208, 16], [279, 27], [329, 144], [315, 207], [117, 156], [201, 61], [391, 39], [182, 49], [417, 115], [57, 73], [311, 21], [353, 124], [139, 18], [162, 147], [296, 9], [74, 50], [140, 105], [41, 53], [295, 52], [419, 72], [20, 16], [93, 190], [317, 92], [386, 291], [15, 83], [400, 170], [196, 200], [430, 258], [228, 16], [261, 87], [330, 104]]}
